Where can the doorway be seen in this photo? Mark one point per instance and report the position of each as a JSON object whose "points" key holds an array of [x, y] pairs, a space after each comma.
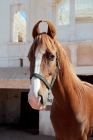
{"points": [[88, 78], [29, 118]]}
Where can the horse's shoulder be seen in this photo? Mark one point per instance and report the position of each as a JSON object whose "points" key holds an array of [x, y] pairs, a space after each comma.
{"points": [[88, 87], [87, 84]]}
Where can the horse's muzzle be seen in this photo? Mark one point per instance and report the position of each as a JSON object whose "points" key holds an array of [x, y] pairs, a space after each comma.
{"points": [[36, 102]]}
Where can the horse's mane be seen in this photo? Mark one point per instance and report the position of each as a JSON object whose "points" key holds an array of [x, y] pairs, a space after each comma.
{"points": [[39, 41]]}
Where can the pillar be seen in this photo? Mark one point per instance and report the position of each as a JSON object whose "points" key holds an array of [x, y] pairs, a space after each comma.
{"points": [[72, 20], [49, 10], [73, 49]]}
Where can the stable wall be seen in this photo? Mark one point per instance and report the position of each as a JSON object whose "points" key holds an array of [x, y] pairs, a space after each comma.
{"points": [[10, 105]]}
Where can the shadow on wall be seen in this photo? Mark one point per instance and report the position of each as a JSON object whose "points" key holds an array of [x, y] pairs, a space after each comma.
{"points": [[88, 78], [29, 118]]}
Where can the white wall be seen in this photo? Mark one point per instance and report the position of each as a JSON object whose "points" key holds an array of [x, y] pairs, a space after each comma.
{"points": [[45, 126], [10, 53]]}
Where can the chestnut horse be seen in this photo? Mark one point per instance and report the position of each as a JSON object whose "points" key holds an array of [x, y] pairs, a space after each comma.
{"points": [[72, 108]]}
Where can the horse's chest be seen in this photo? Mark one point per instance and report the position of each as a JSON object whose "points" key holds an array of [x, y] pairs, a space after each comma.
{"points": [[67, 123]]}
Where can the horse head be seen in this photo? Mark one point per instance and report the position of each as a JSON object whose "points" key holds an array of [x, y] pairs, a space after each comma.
{"points": [[44, 66]]}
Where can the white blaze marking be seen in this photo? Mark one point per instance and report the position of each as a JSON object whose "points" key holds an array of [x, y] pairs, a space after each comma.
{"points": [[35, 82]]}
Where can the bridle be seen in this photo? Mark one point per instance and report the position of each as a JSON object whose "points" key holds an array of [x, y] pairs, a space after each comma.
{"points": [[49, 86]]}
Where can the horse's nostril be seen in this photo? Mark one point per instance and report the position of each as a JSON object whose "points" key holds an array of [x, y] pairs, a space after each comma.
{"points": [[50, 74], [40, 97]]}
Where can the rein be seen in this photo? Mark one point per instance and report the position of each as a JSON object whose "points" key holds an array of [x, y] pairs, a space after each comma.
{"points": [[49, 86]]}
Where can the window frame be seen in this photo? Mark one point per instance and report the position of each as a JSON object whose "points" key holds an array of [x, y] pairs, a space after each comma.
{"points": [[13, 9]]}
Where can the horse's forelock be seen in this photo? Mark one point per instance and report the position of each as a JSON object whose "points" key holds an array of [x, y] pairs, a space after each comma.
{"points": [[49, 43], [45, 40], [40, 41]]}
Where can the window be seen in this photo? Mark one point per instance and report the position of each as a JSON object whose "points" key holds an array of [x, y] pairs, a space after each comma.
{"points": [[83, 11], [64, 12], [19, 27]]}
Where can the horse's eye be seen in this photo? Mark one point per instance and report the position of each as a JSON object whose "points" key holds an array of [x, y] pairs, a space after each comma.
{"points": [[51, 57]]}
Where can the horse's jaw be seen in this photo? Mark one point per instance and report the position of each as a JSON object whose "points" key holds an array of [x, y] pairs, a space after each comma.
{"points": [[35, 102]]}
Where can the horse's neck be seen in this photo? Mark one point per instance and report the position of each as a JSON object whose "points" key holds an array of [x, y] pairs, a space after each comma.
{"points": [[67, 86]]}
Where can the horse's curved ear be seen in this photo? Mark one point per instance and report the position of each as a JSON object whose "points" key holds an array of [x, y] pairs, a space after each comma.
{"points": [[36, 29], [51, 29]]}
